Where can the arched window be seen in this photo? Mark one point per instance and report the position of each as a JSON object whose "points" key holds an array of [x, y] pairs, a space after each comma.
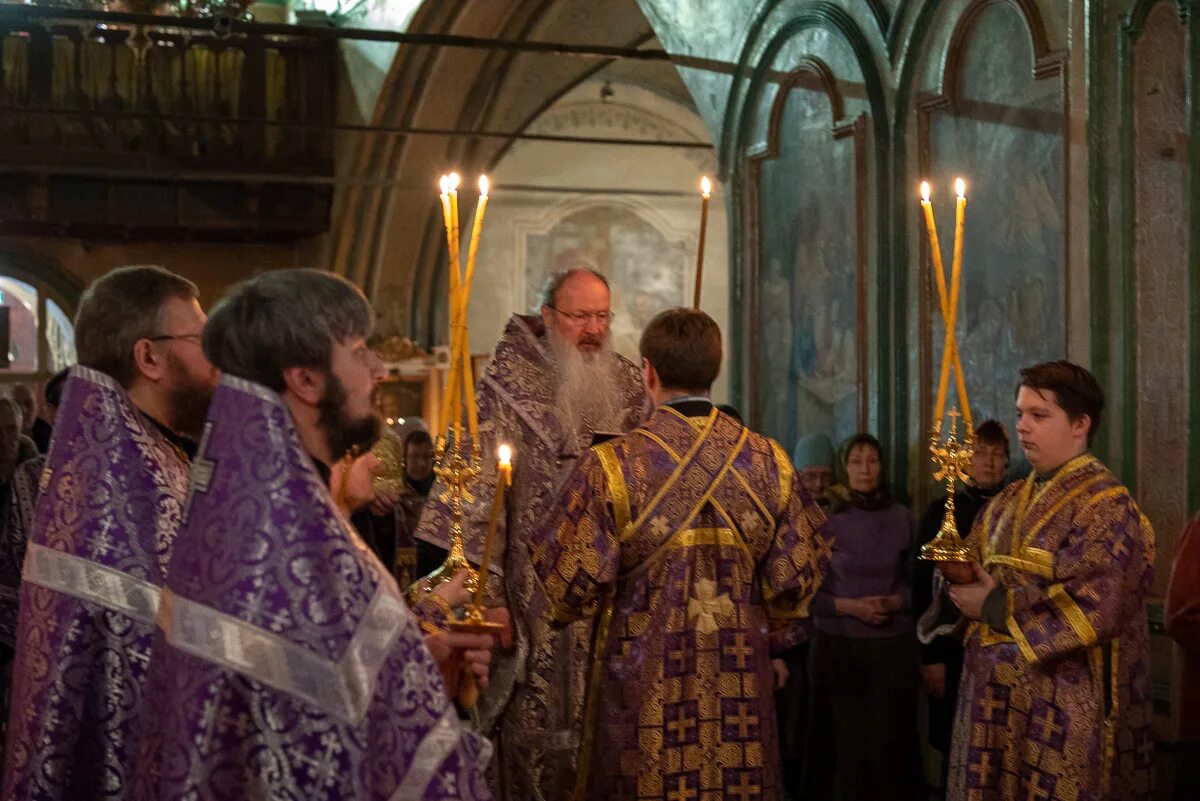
{"points": [[37, 337]]}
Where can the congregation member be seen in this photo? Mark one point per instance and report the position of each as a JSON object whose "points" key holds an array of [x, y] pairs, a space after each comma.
{"points": [[102, 537], [693, 545], [286, 664], [43, 426], [864, 661], [942, 657], [553, 385], [1055, 694]]}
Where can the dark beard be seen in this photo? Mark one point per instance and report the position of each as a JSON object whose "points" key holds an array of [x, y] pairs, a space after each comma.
{"points": [[343, 434], [189, 403]]}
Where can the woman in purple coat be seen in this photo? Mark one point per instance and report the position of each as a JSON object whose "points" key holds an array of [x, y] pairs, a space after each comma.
{"points": [[864, 663]]}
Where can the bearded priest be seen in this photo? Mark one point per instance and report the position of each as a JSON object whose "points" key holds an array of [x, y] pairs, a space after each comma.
{"points": [[553, 386]]}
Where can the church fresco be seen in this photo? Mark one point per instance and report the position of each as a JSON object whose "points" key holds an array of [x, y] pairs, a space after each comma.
{"points": [[807, 322], [646, 268], [1004, 136]]}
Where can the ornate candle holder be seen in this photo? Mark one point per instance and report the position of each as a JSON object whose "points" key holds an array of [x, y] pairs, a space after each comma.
{"points": [[953, 461], [458, 473]]}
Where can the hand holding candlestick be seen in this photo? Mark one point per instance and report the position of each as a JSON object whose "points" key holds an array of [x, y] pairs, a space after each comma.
{"points": [[475, 620]]}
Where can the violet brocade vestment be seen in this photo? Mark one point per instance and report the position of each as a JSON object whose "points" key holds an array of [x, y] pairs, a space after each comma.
{"points": [[286, 664], [102, 536]]}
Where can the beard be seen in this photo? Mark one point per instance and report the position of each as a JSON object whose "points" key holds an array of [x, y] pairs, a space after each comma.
{"points": [[344, 433], [188, 399], [586, 384]]}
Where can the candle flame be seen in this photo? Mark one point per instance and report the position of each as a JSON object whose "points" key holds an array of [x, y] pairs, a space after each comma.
{"points": [[505, 453], [925, 191], [484, 185], [454, 181], [960, 187], [705, 187], [444, 184]]}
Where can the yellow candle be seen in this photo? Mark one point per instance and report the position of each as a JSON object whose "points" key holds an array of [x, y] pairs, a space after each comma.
{"points": [[476, 230], [940, 275], [447, 218], [456, 304], [705, 194], [468, 388], [503, 480], [960, 207], [472, 253]]}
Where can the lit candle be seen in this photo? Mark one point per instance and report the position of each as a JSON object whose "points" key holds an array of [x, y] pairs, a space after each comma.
{"points": [[476, 229], [503, 480], [456, 298], [448, 220], [705, 195], [940, 274], [960, 189], [472, 253]]}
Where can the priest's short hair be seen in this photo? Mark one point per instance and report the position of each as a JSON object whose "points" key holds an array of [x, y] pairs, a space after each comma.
{"points": [[282, 319], [684, 348], [120, 308]]}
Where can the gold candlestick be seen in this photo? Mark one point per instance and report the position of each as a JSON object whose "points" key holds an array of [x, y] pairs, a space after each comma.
{"points": [[457, 472], [951, 457], [705, 195]]}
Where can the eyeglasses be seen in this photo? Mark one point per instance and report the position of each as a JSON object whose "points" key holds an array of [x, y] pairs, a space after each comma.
{"points": [[165, 337], [580, 318]]}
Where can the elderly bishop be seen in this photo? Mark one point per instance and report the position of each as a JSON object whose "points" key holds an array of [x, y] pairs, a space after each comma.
{"points": [[553, 384]]}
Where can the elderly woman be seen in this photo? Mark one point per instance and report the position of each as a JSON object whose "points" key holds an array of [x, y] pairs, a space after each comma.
{"points": [[864, 662]]}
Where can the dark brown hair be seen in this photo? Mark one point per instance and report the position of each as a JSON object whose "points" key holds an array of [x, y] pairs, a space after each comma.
{"points": [[684, 348], [119, 309], [993, 433], [1076, 390]]}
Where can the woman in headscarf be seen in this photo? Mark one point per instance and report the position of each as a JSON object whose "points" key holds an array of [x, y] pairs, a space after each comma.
{"points": [[864, 662]]}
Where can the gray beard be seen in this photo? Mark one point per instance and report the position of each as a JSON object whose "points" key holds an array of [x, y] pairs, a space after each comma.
{"points": [[586, 387]]}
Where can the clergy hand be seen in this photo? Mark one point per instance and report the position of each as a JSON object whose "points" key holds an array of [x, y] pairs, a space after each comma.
{"points": [[934, 677], [454, 591], [969, 598], [779, 667], [453, 650]]}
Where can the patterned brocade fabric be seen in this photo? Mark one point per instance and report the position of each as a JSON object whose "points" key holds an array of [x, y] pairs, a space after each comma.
{"points": [[102, 536], [13, 539], [691, 541], [286, 665], [533, 705], [1058, 708]]}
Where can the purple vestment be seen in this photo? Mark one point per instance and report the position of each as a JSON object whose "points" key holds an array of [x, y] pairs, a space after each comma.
{"points": [[102, 536], [286, 664]]}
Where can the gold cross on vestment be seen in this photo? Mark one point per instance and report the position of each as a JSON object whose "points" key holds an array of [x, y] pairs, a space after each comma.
{"points": [[707, 606], [983, 768], [659, 527], [744, 790], [681, 725], [681, 792], [1049, 725], [739, 650], [991, 705], [743, 720], [1034, 786]]}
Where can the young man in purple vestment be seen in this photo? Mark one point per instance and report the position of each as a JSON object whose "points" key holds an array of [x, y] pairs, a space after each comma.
{"points": [[698, 552], [1055, 696], [286, 664], [114, 486]]}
